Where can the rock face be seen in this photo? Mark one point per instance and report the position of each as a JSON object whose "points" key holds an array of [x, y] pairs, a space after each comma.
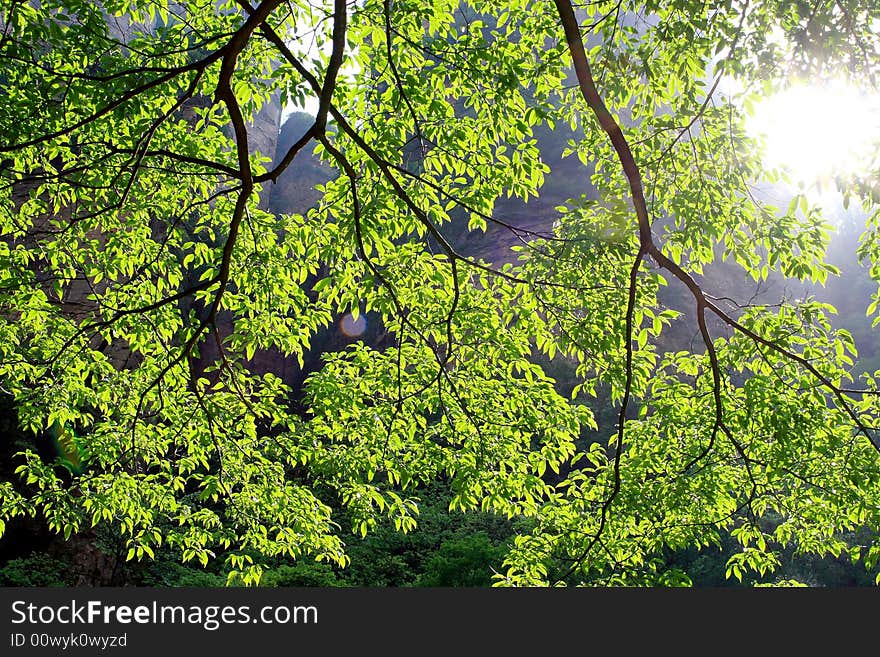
{"points": [[295, 190], [567, 179], [263, 130], [263, 136], [295, 193]]}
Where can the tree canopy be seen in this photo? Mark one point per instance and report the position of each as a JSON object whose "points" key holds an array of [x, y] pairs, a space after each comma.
{"points": [[140, 275]]}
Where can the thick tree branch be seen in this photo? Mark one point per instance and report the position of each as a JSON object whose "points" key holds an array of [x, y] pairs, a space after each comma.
{"points": [[606, 120]]}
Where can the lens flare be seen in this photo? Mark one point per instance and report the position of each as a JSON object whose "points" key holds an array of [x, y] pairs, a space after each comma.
{"points": [[351, 326]]}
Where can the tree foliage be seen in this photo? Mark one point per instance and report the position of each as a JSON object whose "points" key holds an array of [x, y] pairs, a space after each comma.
{"points": [[140, 274]]}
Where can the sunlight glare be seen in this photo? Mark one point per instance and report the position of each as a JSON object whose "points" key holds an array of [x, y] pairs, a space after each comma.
{"points": [[817, 132]]}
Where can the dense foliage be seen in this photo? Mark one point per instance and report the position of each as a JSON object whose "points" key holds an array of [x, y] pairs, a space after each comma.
{"points": [[141, 276]]}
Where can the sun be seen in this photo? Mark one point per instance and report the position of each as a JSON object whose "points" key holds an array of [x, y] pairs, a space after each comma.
{"points": [[816, 132]]}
